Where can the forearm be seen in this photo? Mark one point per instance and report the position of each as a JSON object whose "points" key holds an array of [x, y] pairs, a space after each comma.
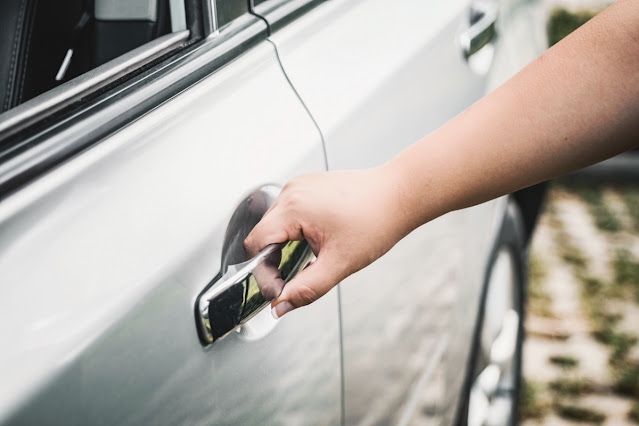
{"points": [[575, 105]]}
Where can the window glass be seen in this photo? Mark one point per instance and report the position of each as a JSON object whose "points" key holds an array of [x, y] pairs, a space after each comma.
{"points": [[227, 10], [46, 43]]}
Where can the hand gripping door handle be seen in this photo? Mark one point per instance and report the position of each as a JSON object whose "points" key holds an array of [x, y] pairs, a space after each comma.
{"points": [[483, 17], [246, 288]]}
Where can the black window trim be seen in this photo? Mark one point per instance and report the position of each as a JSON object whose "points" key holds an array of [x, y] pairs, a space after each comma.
{"points": [[51, 102], [279, 13]]}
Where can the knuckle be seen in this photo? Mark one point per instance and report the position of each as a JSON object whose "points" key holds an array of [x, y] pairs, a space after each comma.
{"points": [[290, 186], [306, 295], [292, 199], [248, 241]]}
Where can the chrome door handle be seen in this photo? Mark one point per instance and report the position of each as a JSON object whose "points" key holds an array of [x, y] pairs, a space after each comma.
{"points": [[246, 288], [481, 31]]}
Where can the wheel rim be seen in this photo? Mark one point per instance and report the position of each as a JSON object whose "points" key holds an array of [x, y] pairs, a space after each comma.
{"points": [[492, 395]]}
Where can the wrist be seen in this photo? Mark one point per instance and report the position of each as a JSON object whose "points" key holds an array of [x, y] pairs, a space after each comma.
{"points": [[419, 186], [400, 200]]}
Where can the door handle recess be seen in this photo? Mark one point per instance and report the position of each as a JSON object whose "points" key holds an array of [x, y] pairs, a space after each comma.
{"points": [[246, 288], [483, 17]]}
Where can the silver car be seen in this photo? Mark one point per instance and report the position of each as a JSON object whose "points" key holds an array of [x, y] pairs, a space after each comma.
{"points": [[141, 140]]}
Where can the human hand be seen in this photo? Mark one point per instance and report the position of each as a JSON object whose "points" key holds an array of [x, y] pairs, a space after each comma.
{"points": [[349, 219]]}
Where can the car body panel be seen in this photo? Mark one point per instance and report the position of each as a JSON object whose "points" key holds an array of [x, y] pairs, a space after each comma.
{"points": [[102, 259], [521, 38], [374, 88], [377, 77]]}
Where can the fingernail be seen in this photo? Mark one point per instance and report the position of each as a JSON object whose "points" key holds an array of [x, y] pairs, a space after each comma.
{"points": [[281, 309]]}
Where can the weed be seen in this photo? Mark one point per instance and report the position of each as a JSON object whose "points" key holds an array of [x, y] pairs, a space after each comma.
{"points": [[539, 300], [580, 414], [619, 342], [563, 22], [570, 387], [574, 256], [627, 382], [594, 292], [566, 362], [627, 271], [630, 195], [605, 219], [536, 268], [532, 404], [593, 286]]}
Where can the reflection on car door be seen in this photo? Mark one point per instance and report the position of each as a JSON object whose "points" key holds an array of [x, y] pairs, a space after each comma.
{"points": [[377, 76], [102, 260]]}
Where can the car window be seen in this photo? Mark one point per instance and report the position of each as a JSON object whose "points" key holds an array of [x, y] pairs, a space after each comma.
{"points": [[62, 56], [76, 71], [278, 13], [228, 10], [49, 43]]}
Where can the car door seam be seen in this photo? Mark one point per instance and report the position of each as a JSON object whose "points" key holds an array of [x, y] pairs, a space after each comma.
{"points": [[339, 299], [302, 102]]}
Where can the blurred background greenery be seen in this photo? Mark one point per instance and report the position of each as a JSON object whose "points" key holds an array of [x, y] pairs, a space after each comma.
{"points": [[581, 355], [562, 22]]}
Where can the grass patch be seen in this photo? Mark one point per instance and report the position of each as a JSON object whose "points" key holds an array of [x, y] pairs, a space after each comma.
{"points": [[570, 387], [626, 269], [594, 286], [633, 414], [537, 270], [627, 379], [620, 343], [573, 256], [594, 294], [563, 22], [605, 219], [531, 404], [566, 362], [630, 195], [579, 414], [538, 299]]}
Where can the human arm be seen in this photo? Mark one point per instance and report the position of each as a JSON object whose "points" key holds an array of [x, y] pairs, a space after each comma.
{"points": [[575, 105]]}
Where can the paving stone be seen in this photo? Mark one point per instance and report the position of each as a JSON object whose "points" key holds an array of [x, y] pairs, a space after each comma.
{"points": [[614, 407]]}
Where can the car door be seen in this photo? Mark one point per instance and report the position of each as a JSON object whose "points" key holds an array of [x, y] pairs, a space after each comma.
{"points": [[377, 76], [117, 214]]}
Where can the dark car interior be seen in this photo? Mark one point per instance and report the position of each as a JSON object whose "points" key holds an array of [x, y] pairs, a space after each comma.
{"points": [[46, 43]]}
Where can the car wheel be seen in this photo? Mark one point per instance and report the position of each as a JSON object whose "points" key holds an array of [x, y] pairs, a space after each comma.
{"points": [[495, 378]]}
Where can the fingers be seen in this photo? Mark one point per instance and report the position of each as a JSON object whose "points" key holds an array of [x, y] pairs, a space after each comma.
{"points": [[269, 280], [308, 286], [276, 226], [264, 233]]}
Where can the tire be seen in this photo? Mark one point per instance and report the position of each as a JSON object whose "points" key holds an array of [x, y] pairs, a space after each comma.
{"points": [[493, 383]]}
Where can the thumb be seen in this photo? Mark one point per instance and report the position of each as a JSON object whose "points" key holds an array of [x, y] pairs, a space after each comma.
{"points": [[309, 285]]}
